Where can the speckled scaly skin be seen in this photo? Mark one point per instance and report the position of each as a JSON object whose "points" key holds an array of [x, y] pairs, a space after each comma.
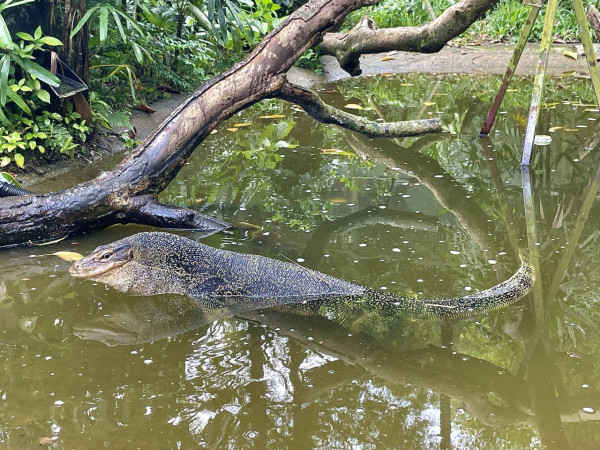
{"points": [[164, 263]]}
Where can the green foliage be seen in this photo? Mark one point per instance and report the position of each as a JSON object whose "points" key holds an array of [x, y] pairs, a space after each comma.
{"points": [[27, 127], [503, 22], [45, 131]]}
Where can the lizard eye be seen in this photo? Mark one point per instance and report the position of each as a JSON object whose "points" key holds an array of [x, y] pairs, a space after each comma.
{"points": [[105, 255]]}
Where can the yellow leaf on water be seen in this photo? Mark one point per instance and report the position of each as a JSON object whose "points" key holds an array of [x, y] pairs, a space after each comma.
{"points": [[213, 132], [233, 130], [569, 53], [242, 124], [354, 106], [553, 129], [387, 58], [428, 103], [272, 116], [511, 90], [335, 151], [571, 129], [67, 256], [550, 105]]}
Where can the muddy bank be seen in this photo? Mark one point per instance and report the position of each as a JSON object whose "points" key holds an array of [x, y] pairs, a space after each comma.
{"points": [[482, 60]]}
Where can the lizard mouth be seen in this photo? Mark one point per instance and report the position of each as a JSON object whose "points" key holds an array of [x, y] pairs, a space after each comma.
{"points": [[80, 269]]}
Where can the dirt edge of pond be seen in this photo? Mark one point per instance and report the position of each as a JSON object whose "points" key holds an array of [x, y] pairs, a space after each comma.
{"points": [[106, 149]]}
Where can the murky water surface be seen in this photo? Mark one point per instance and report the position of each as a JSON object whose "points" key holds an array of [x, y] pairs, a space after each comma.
{"points": [[441, 215]]}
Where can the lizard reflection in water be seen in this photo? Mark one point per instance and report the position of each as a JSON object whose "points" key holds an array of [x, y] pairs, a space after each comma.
{"points": [[163, 263]]}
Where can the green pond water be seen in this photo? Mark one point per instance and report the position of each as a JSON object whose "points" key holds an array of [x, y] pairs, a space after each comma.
{"points": [[441, 215]]}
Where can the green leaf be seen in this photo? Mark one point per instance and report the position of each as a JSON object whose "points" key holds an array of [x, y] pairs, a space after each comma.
{"points": [[7, 177], [18, 101], [119, 26], [49, 40], [4, 70], [37, 71], [4, 161], [19, 160], [37, 33], [43, 95], [25, 36], [83, 20], [3, 118], [137, 51], [5, 39], [10, 4], [103, 23]]}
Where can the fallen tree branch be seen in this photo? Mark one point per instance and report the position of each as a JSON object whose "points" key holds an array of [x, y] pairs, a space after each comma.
{"points": [[366, 38], [316, 108], [127, 192]]}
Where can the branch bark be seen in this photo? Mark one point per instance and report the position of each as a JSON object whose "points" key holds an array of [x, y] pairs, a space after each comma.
{"points": [[316, 108], [430, 38]]}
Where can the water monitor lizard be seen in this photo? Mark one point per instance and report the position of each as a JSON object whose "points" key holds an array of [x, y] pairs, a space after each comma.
{"points": [[163, 263]]}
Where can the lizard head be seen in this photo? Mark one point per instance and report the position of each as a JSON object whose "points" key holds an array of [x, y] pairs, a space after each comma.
{"points": [[103, 262]]}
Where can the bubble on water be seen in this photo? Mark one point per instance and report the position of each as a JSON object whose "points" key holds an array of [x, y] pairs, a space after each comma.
{"points": [[588, 410], [492, 261], [454, 252]]}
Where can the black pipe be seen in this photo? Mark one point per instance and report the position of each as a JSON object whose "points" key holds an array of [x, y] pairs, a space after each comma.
{"points": [[7, 190]]}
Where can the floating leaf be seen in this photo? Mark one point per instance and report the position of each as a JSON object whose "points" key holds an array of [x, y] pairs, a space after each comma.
{"points": [[66, 256], [213, 132], [233, 130], [428, 103], [45, 440], [550, 105], [571, 73], [542, 139], [553, 129], [335, 151], [272, 116], [387, 58], [329, 91], [570, 53], [297, 108], [243, 124], [354, 106], [41, 244]]}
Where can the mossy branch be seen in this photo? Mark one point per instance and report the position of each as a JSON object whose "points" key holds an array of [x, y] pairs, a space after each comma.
{"points": [[316, 108]]}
